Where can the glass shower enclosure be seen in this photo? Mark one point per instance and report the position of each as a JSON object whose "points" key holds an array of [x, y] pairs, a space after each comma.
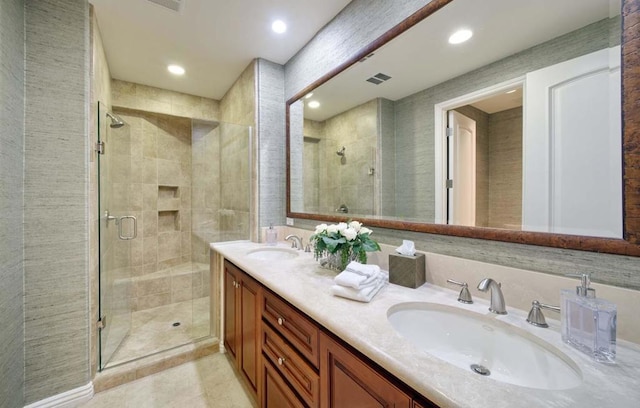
{"points": [[168, 187]]}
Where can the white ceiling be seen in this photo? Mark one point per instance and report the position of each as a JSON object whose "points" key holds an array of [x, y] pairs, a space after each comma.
{"points": [[421, 57], [214, 40]]}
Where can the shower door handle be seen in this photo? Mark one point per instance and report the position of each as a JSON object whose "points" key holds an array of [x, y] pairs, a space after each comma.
{"points": [[135, 228]]}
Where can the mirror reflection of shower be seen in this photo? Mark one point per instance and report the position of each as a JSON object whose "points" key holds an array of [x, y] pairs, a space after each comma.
{"points": [[116, 122]]}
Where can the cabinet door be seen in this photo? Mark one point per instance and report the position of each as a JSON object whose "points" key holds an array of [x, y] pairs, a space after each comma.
{"points": [[250, 330], [275, 392], [230, 310], [346, 381]]}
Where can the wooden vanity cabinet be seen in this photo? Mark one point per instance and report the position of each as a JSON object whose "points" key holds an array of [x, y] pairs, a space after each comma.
{"points": [[347, 381], [288, 360], [242, 299]]}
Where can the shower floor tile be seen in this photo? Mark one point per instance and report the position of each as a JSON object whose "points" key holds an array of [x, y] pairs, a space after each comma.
{"points": [[153, 330]]}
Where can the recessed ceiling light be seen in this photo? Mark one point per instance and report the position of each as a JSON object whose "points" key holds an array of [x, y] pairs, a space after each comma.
{"points": [[313, 104], [511, 91], [279, 26], [176, 69], [460, 36], [309, 95]]}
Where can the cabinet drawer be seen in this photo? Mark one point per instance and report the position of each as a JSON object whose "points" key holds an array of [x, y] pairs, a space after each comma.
{"points": [[276, 393], [302, 378], [302, 333]]}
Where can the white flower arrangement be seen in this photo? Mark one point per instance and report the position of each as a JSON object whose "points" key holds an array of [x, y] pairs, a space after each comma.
{"points": [[350, 239]]}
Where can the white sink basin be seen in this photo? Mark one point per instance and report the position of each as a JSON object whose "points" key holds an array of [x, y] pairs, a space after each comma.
{"points": [[465, 338], [272, 254]]}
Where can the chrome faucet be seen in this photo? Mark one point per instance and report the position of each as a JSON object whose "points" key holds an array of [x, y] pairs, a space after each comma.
{"points": [[497, 299], [296, 241]]}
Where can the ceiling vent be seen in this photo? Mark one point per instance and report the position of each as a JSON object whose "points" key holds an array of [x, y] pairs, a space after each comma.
{"points": [[378, 78], [175, 5]]}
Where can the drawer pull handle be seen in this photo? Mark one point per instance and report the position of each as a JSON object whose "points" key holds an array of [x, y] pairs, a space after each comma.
{"points": [[281, 360], [280, 321]]}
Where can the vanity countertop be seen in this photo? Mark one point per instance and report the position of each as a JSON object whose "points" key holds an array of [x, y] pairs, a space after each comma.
{"points": [[365, 326]]}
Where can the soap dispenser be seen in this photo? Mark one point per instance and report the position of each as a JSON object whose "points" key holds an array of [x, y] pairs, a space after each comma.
{"points": [[588, 323], [272, 236]]}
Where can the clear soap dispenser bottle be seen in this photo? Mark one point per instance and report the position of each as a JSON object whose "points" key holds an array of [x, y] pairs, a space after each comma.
{"points": [[588, 323], [272, 236]]}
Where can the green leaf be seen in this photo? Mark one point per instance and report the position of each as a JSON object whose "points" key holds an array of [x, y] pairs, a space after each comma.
{"points": [[370, 245], [332, 244]]}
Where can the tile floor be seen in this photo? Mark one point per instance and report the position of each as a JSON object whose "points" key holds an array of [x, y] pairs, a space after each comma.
{"points": [[209, 382]]}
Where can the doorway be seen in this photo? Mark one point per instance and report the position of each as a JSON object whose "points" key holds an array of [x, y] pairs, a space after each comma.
{"points": [[480, 182]]}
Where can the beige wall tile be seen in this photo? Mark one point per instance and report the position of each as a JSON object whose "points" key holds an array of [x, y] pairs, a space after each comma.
{"points": [[151, 301], [149, 197], [145, 287]]}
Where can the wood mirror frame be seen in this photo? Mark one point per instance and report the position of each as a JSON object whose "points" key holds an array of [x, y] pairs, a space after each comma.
{"points": [[630, 71]]}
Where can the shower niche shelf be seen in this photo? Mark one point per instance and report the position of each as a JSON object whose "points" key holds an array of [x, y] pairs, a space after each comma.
{"points": [[168, 220], [168, 198]]}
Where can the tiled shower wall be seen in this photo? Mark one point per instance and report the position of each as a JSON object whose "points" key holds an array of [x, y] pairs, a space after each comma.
{"points": [[158, 187], [151, 99], [205, 188], [346, 179], [11, 200], [237, 107], [158, 191]]}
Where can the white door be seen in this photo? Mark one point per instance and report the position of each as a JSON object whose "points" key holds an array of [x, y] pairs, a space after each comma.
{"points": [[572, 144], [461, 169]]}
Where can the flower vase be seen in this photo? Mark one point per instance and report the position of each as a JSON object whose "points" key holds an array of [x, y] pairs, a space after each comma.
{"points": [[334, 261]]}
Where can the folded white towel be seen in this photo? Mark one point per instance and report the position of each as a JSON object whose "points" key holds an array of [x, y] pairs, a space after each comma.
{"points": [[364, 294], [361, 269], [354, 280]]}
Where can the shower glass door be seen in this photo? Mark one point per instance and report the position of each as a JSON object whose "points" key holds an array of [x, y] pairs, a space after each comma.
{"points": [[117, 229]]}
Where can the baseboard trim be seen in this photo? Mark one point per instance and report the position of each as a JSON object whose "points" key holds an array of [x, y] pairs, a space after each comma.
{"points": [[68, 399]]}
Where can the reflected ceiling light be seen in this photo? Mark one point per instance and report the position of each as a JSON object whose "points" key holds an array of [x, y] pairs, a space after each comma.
{"points": [[511, 91], [313, 104], [460, 36], [309, 95], [279, 26], [176, 69]]}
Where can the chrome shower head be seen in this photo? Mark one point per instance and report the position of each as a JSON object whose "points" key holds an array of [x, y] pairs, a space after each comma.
{"points": [[341, 152], [116, 122]]}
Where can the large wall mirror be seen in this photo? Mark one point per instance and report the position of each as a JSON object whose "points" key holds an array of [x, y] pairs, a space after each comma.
{"points": [[497, 120]]}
